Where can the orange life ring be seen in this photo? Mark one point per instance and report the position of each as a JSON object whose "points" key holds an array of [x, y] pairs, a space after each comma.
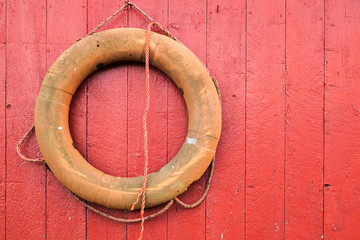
{"points": [[126, 44]]}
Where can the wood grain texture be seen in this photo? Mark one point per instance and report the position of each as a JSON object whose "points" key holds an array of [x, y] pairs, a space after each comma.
{"points": [[187, 20], [2, 141], [25, 183], [265, 107], [342, 123], [107, 121], [26, 21], [304, 119], [2, 119], [281, 124], [66, 219], [2, 22], [225, 203]]}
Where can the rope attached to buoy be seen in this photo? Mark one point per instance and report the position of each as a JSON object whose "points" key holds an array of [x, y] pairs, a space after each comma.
{"points": [[142, 193]]}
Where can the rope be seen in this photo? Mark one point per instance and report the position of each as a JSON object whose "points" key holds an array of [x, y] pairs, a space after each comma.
{"points": [[122, 220], [197, 203], [145, 132], [22, 140], [146, 110], [216, 84], [125, 6], [108, 19], [158, 25]]}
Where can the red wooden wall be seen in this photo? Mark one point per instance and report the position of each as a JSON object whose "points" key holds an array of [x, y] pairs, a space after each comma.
{"points": [[288, 161]]}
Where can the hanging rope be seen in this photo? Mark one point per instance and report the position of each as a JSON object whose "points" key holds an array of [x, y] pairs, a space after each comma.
{"points": [[142, 193], [22, 140], [203, 196], [123, 220], [125, 6], [146, 110]]}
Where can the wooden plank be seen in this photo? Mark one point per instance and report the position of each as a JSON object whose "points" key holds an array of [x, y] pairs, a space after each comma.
{"points": [[225, 202], [25, 187], [187, 21], [2, 120], [66, 218], [156, 121], [66, 21], [265, 119], [26, 66], [23, 179], [2, 141], [342, 123], [107, 121], [304, 129], [2, 21], [26, 21]]}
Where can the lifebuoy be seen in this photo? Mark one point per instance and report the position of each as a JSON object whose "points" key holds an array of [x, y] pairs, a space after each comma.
{"points": [[127, 44]]}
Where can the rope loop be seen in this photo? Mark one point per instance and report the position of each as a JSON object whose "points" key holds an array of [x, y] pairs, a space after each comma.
{"points": [[169, 204], [203, 196], [123, 220], [22, 140], [147, 106]]}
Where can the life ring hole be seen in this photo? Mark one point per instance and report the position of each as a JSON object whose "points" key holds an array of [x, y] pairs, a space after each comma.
{"points": [[106, 119]]}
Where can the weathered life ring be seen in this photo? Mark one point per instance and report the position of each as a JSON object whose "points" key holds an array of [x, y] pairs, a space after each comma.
{"points": [[126, 44]]}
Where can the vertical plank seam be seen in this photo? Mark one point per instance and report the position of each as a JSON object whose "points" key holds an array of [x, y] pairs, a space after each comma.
{"points": [[324, 105], [167, 121], [206, 64], [46, 66], [127, 121], [245, 122], [87, 116], [5, 115], [285, 110]]}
